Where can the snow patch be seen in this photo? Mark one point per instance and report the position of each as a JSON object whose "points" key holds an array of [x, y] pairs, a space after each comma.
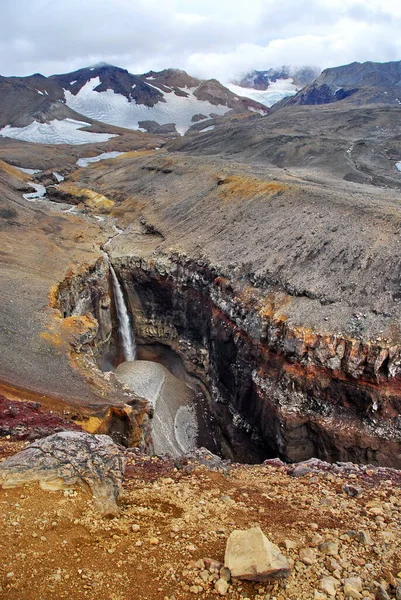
{"points": [[55, 132], [29, 171], [275, 92], [58, 177], [210, 128], [115, 109], [40, 192], [85, 162], [398, 165], [72, 82], [39, 92]]}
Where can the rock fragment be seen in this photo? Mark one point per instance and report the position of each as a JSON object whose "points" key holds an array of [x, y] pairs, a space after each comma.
{"points": [[329, 586], [251, 555], [221, 586], [67, 459], [307, 556], [381, 594], [353, 587]]}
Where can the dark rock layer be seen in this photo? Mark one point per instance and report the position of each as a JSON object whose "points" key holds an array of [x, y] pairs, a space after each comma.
{"points": [[293, 393]]}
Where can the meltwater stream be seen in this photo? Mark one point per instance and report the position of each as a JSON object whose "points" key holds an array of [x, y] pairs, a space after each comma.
{"points": [[124, 324]]}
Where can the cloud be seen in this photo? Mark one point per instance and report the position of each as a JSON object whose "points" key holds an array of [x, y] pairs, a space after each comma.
{"points": [[209, 38]]}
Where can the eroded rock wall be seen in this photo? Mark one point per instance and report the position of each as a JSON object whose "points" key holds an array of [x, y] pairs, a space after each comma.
{"points": [[295, 393], [88, 291]]}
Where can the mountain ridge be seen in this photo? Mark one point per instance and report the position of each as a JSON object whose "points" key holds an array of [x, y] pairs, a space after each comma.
{"points": [[161, 102], [356, 83]]}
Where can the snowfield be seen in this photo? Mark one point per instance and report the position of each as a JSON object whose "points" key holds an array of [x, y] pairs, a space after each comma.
{"points": [[115, 109], [398, 166], [85, 162], [282, 88], [55, 132]]}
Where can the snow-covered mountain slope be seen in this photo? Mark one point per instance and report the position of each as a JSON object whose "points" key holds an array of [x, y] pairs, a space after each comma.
{"points": [[44, 109], [115, 109], [116, 97], [272, 85], [67, 131], [277, 90]]}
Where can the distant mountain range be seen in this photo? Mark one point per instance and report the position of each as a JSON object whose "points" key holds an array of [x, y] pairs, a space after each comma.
{"points": [[93, 104], [68, 107]]}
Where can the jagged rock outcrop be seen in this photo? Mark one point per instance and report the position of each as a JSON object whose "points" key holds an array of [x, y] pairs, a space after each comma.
{"points": [[67, 459]]}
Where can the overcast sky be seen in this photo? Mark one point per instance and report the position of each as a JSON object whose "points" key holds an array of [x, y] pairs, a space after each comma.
{"points": [[208, 38]]}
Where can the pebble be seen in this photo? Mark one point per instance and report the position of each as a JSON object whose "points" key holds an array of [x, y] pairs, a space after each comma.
{"points": [[353, 587], [352, 491], [381, 594], [221, 587], [225, 574], [307, 556], [135, 527], [329, 548], [329, 585], [211, 563], [365, 538]]}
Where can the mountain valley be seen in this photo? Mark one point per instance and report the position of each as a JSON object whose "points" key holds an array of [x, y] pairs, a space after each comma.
{"points": [[254, 254]]}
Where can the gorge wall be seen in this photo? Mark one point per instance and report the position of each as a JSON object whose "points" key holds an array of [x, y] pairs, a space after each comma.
{"points": [[280, 296], [274, 391]]}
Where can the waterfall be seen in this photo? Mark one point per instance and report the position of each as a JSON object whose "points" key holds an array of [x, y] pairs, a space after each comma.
{"points": [[125, 329]]}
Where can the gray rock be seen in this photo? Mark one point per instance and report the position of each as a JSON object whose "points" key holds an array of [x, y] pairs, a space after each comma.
{"points": [[352, 491], [381, 594], [225, 574], [398, 592], [250, 555], [300, 471], [68, 459]]}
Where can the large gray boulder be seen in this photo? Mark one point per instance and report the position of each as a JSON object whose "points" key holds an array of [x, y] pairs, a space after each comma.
{"points": [[251, 555], [68, 459]]}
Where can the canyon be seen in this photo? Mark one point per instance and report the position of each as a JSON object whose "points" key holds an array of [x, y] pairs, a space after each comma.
{"points": [[289, 365]]}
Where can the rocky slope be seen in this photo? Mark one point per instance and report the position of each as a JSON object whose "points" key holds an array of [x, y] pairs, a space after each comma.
{"points": [[338, 527], [357, 144], [355, 84]]}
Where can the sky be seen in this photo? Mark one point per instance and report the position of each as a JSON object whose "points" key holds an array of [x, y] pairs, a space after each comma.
{"points": [[207, 38]]}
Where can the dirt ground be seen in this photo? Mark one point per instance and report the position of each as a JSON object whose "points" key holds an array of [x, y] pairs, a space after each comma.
{"points": [[53, 545]]}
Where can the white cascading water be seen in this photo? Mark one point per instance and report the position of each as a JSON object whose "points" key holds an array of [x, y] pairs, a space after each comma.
{"points": [[125, 329]]}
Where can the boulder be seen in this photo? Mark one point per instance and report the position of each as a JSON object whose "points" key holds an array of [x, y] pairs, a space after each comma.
{"points": [[67, 459], [250, 555]]}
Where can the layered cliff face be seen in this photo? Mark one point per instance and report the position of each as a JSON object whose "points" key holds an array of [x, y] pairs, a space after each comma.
{"points": [[275, 391]]}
